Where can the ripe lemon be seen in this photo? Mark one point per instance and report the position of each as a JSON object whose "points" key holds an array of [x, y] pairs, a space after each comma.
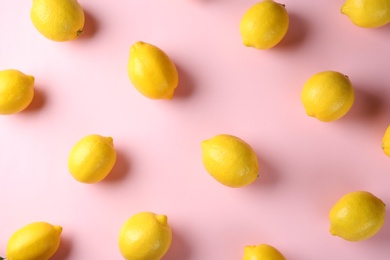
{"points": [[357, 216], [151, 71], [16, 91], [327, 96], [386, 142], [367, 13], [35, 241], [264, 24], [145, 236], [58, 20], [262, 252], [92, 158], [230, 160]]}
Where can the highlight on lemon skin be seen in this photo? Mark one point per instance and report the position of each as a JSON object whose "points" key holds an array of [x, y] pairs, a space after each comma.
{"points": [[357, 216], [264, 24], [386, 142], [35, 241], [262, 252], [367, 13], [16, 91], [58, 20], [151, 71], [230, 160], [92, 158], [327, 96], [145, 236]]}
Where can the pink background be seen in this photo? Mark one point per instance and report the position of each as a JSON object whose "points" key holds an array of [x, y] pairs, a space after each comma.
{"points": [[306, 165]]}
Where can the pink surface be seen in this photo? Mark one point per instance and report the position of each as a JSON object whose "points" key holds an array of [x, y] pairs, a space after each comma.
{"points": [[306, 165]]}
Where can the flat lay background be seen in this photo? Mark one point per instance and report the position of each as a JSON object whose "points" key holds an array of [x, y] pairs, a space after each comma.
{"points": [[306, 165]]}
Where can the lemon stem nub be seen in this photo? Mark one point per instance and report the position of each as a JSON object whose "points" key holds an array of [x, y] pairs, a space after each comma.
{"points": [[79, 32]]}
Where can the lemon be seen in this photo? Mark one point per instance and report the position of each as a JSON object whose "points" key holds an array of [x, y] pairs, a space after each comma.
{"points": [[92, 158], [367, 13], [262, 252], [151, 71], [264, 24], [145, 236], [35, 241], [386, 142], [357, 216], [230, 160], [16, 91], [58, 20], [327, 96]]}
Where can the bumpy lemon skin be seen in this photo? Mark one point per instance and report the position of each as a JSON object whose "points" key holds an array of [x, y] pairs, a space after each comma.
{"points": [[92, 158], [264, 25], [58, 20], [367, 13], [35, 241], [386, 142], [262, 252], [151, 71], [320, 104], [230, 160], [145, 236], [16, 91], [357, 216]]}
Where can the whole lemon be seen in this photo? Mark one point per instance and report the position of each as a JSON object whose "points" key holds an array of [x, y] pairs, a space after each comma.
{"points": [[367, 13], [92, 158], [262, 252], [35, 241], [386, 142], [230, 160], [145, 236], [357, 216], [16, 91], [328, 96], [151, 71], [264, 24], [58, 20]]}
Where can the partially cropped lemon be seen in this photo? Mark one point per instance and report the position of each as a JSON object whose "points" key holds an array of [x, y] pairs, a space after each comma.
{"points": [[328, 96], [230, 160], [58, 20], [92, 158], [262, 252], [367, 13], [151, 71], [35, 241], [386, 142], [145, 236], [357, 216], [264, 24], [16, 91]]}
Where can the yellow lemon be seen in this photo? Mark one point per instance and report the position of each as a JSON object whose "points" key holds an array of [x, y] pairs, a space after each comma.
{"points": [[262, 252], [230, 160], [357, 216], [151, 71], [16, 91], [145, 236], [92, 158], [327, 96], [58, 20], [264, 24], [367, 13], [35, 241], [386, 142]]}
